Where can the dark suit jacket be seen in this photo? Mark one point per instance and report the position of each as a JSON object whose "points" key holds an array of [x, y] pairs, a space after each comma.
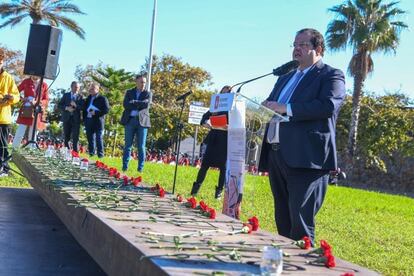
{"points": [[308, 139], [100, 102], [142, 106], [75, 116]]}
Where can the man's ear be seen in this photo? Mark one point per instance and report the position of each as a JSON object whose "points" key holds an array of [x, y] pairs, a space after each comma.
{"points": [[318, 50]]}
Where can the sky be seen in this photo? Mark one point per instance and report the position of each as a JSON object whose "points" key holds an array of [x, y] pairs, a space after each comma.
{"points": [[234, 40]]}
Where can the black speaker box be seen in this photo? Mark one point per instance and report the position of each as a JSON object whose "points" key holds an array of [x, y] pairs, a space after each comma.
{"points": [[42, 52]]}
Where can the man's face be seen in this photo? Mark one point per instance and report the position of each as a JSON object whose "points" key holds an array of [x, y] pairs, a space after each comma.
{"points": [[141, 83], [75, 87], [303, 50], [93, 89]]}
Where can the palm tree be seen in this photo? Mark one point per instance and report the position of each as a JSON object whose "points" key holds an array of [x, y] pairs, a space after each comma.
{"points": [[42, 10], [368, 26]]}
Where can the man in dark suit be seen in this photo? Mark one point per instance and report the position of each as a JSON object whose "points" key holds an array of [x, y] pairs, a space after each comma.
{"points": [[71, 105], [95, 108], [299, 154], [136, 120]]}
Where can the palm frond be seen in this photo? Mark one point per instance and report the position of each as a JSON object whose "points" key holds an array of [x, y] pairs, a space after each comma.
{"points": [[13, 21]]}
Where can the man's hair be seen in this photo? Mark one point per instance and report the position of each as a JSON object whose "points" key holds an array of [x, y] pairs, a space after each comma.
{"points": [[316, 38], [141, 76], [2, 54], [72, 83]]}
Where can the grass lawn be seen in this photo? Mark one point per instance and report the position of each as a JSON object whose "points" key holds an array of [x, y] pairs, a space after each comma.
{"points": [[371, 229]]}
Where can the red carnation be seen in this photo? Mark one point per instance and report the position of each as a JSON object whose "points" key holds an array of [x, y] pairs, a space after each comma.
{"points": [[126, 180], [330, 261], [179, 198], [348, 274], [326, 247], [247, 228], [118, 175], [136, 181], [75, 154], [85, 160], [212, 213], [191, 202], [203, 206], [161, 192], [254, 222]]}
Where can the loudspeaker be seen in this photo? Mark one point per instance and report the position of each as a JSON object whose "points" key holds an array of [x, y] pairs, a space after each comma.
{"points": [[42, 52]]}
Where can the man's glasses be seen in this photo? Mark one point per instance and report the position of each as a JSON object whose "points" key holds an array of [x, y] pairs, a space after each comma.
{"points": [[300, 45]]}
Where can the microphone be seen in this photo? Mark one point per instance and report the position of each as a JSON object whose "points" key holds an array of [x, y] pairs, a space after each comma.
{"points": [[183, 96], [286, 68]]}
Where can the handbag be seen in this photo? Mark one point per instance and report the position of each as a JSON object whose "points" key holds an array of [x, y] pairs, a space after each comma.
{"points": [[27, 112]]}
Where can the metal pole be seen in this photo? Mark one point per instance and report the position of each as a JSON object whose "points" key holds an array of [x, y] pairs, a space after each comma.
{"points": [[194, 143], [154, 17]]}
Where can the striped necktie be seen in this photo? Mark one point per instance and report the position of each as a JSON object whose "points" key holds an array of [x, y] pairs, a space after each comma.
{"points": [[284, 99]]}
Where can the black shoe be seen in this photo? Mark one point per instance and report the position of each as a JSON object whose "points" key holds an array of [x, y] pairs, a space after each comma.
{"points": [[195, 189], [219, 193]]}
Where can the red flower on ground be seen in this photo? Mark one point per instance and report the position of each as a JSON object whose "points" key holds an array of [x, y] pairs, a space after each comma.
{"points": [[75, 154], [348, 274], [85, 160], [136, 181], [203, 206], [179, 198], [326, 247], [118, 175], [330, 261], [304, 243], [254, 222], [247, 228], [191, 202], [212, 213], [161, 192], [126, 180]]}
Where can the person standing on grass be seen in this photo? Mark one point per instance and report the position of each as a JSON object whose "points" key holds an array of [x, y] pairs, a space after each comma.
{"points": [[25, 120], [216, 152], [71, 105], [299, 154], [9, 95], [136, 120], [94, 110]]}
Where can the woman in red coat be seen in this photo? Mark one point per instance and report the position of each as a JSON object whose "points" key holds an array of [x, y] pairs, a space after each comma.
{"points": [[29, 88]]}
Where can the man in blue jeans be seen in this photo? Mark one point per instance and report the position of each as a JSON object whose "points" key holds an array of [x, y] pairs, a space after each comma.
{"points": [[136, 120]]}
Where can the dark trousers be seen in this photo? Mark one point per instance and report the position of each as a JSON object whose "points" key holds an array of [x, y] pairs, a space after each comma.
{"points": [[71, 130], [203, 172], [4, 141], [298, 195], [94, 134]]}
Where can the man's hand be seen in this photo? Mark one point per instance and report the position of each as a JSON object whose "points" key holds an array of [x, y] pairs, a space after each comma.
{"points": [[275, 106], [70, 108], [73, 104]]}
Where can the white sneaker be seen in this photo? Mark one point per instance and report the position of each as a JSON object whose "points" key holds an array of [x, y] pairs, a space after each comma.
{"points": [[4, 174]]}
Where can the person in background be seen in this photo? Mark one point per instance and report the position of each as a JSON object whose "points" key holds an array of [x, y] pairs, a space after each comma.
{"points": [[94, 110], [299, 154], [71, 105], [25, 119], [215, 154], [9, 95], [136, 120]]}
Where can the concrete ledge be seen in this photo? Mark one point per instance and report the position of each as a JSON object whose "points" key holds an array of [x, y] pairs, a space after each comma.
{"points": [[117, 240]]}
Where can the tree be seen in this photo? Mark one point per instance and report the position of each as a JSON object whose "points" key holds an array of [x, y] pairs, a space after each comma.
{"points": [[42, 10], [368, 26], [171, 78], [14, 63]]}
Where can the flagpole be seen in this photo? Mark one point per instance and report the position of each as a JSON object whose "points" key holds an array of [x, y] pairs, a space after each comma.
{"points": [[154, 17]]}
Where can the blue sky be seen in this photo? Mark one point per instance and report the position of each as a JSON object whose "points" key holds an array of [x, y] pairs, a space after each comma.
{"points": [[234, 40]]}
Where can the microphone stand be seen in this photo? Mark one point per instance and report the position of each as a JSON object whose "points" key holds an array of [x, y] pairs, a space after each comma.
{"points": [[245, 82], [37, 110], [178, 133]]}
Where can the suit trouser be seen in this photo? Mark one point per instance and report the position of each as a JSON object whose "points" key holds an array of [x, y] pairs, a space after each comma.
{"points": [[298, 195], [94, 134], [71, 130], [4, 141]]}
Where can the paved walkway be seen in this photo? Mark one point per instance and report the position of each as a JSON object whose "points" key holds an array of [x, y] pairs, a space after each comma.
{"points": [[33, 241]]}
